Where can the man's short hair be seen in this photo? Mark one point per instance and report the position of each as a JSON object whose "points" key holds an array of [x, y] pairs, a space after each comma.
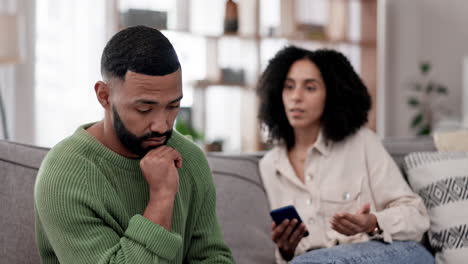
{"points": [[141, 50]]}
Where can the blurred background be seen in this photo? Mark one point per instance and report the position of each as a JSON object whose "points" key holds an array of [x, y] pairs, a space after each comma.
{"points": [[412, 55]]}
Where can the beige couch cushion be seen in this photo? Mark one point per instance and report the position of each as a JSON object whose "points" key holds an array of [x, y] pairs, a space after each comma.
{"points": [[452, 141]]}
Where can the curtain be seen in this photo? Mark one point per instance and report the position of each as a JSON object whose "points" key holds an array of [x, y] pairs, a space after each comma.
{"points": [[7, 77], [70, 38]]}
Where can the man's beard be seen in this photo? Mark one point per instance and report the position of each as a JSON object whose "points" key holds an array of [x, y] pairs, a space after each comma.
{"points": [[132, 142]]}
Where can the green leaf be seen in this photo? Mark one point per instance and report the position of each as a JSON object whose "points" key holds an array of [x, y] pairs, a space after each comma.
{"points": [[413, 102], [425, 130], [416, 87], [185, 129], [442, 90], [425, 67], [417, 119], [429, 88], [182, 127]]}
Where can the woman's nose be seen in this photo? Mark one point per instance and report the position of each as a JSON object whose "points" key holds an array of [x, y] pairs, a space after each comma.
{"points": [[296, 94]]}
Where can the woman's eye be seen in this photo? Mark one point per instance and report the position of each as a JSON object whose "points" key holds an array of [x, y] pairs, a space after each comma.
{"points": [[288, 87], [311, 88]]}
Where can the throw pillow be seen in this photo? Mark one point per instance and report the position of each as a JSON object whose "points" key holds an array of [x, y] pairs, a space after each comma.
{"points": [[441, 179]]}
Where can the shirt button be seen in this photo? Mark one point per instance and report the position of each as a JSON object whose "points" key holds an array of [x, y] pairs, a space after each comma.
{"points": [[311, 221], [309, 178], [309, 201], [346, 196]]}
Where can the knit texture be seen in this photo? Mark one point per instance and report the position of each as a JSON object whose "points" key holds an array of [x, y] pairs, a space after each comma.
{"points": [[89, 203]]}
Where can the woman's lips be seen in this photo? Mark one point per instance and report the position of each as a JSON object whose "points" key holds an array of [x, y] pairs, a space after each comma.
{"points": [[295, 112]]}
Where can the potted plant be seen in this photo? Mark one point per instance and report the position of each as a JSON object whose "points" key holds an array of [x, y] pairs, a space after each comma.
{"points": [[424, 100], [184, 125]]}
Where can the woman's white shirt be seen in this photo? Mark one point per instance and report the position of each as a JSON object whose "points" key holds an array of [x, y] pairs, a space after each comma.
{"points": [[342, 177]]}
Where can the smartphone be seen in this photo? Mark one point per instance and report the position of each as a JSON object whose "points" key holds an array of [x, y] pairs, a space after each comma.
{"points": [[286, 212]]}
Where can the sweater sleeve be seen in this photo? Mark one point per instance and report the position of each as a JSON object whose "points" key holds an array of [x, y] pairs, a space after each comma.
{"points": [[207, 244], [69, 225], [400, 212]]}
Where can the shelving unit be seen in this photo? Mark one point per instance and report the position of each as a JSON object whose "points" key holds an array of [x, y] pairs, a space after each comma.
{"points": [[251, 48]]}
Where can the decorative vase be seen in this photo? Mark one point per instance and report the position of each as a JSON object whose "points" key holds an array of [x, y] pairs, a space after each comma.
{"points": [[231, 21]]}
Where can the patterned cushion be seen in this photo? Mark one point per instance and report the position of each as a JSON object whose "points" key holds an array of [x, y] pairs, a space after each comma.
{"points": [[441, 179]]}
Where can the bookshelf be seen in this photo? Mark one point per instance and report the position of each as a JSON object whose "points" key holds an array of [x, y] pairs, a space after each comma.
{"points": [[351, 27]]}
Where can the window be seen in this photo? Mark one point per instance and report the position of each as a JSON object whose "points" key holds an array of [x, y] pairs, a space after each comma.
{"points": [[70, 38]]}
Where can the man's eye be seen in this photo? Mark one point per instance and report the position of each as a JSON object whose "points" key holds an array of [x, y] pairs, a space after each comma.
{"points": [[174, 106], [143, 111]]}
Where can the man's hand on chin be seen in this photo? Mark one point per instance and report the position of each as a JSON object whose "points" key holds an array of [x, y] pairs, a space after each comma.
{"points": [[159, 167]]}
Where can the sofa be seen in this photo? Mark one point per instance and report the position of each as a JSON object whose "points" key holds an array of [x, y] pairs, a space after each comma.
{"points": [[242, 205]]}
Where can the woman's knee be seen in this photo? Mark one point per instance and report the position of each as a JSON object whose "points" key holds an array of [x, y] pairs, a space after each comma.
{"points": [[369, 252]]}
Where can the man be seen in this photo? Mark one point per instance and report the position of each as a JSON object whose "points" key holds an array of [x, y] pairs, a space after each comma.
{"points": [[127, 189]]}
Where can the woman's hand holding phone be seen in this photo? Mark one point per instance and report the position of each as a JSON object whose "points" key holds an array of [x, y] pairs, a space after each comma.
{"points": [[287, 236]]}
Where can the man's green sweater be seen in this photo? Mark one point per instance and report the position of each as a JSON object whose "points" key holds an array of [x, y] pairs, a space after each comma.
{"points": [[89, 203]]}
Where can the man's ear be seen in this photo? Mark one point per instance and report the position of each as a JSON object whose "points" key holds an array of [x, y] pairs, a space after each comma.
{"points": [[102, 91]]}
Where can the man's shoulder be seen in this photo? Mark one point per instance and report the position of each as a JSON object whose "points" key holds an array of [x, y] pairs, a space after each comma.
{"points": [[187, 148], [68, 156], [68, 148], [64, 170], [194, 163]]}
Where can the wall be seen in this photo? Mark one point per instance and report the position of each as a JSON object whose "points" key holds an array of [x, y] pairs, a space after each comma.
{"points": [[419, 30], [24, 103], [17, 80]]}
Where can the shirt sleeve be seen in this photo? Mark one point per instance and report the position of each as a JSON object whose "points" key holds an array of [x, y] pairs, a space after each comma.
{"points": [[70, 225], [207, 244], [400, 212]]}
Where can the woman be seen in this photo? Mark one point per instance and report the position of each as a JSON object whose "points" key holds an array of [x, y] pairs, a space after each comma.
{"points": [[345, 186]]}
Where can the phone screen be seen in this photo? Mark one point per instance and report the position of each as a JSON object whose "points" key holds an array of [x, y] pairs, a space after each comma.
{"points": [[286, 212]]}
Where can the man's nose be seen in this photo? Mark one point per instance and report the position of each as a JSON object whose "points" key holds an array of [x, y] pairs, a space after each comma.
{"points": [[160, 123]]}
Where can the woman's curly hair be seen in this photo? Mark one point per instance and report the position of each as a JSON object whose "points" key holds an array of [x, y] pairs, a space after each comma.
{"points": [[347, 100]]}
